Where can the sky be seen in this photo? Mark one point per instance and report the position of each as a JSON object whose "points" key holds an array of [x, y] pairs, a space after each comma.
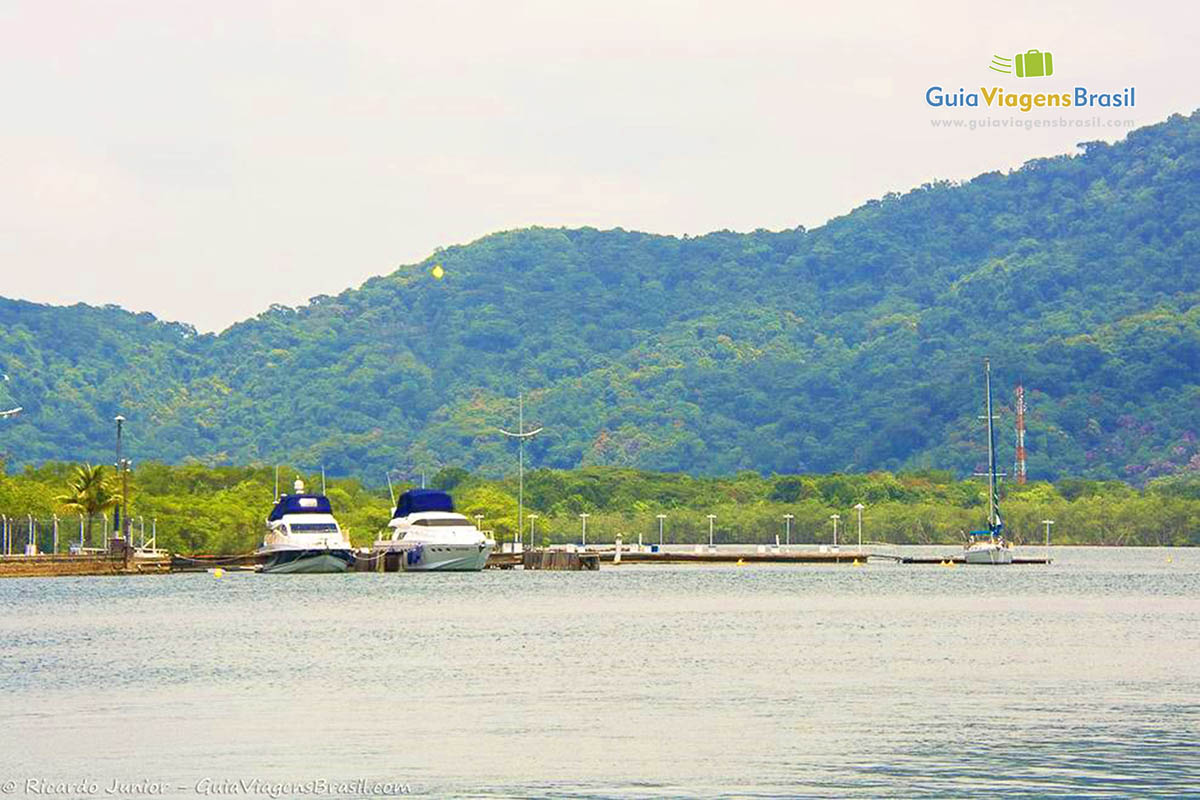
{"points": [[203, 161]]}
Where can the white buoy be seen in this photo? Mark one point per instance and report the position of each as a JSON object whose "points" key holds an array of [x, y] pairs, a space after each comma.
{"points": [[617, 557]]}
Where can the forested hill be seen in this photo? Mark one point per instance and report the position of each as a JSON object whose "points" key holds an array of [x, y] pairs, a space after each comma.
{"points": [[855, 346]]}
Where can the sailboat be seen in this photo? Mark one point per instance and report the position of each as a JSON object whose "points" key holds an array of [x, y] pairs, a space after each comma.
{"points": [[989, 546]]}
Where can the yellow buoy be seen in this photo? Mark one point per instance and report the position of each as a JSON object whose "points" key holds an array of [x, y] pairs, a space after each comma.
{"points": [[218, 572], [437, 271], [741, 563]]}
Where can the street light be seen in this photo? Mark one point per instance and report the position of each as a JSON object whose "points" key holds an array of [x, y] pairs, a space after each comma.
{"points": [[479, 522], [532, 519], [661, 518], [1047, 523], [583, 528], [711, 517], [521, 435], [835, 518], [787, 524], [859, 508], [118, 512]]}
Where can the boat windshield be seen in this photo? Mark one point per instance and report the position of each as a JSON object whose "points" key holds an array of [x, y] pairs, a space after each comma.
{"points": [[444, 522], [313, 527]]}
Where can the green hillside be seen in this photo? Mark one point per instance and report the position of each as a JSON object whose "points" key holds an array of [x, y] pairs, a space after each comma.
{"points": [[852, 347]]}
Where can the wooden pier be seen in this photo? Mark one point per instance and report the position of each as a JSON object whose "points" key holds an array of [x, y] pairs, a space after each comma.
{"points": [[62, 565], [561, 560]]}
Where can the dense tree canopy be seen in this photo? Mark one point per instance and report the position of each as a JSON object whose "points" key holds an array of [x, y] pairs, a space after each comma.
{"points": [[214, 510], [853, 347]]}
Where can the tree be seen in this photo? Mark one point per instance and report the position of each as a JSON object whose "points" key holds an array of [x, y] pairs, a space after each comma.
{"points": [[89, 492]]}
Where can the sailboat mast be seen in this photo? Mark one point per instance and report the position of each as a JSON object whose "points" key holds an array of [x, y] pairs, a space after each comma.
{"points": [[993, 514]]}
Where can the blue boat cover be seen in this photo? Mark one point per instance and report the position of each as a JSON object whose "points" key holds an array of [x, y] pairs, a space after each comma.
{"points": [[416, 500], [300, 504]]}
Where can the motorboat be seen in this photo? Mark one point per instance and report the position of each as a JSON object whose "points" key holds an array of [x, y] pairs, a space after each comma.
{"points": [[303, 536], [989, 546], [429, 535]]}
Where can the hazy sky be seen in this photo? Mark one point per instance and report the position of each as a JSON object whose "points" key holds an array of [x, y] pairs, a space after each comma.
{"points": [[202, 161]]}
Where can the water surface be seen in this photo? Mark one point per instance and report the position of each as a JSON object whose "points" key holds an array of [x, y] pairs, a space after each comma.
{"points": [[1075, 679]]}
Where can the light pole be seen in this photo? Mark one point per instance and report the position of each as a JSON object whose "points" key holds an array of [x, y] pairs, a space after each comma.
{"points": [[661, 518], [118, 512], [1047, 523], [835, 518], [479, 522], [521, 435], [532, 520], [711, 517], [583, 528], [787, 524], [4, 520], [859, 508]]}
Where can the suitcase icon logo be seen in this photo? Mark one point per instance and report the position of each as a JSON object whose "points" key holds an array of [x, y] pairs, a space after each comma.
{"points": [[1030, 64]]}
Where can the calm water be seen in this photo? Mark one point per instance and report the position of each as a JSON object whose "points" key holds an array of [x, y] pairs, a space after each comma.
{"points": [[1082, 678]]}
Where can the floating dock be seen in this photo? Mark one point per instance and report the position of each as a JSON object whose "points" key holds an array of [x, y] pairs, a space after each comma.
{"points": [[728, 557], [936, 560]]}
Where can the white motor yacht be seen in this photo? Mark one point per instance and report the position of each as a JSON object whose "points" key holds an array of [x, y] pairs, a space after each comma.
{"points": [[303, 536], [430, 536]]}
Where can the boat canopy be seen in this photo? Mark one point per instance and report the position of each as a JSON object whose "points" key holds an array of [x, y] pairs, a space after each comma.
{"points": [[300, 504], [417, 500]]}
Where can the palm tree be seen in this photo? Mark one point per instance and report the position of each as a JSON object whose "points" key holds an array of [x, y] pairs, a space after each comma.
{"points": [[89, 492]]}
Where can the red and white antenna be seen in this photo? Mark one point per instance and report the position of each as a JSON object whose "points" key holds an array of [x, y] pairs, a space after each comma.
{"points": [[1020, 435]]}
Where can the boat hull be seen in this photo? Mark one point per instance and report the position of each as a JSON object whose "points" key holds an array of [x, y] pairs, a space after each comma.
{"points": [[307, 562], [988, 555], [443, 557]]}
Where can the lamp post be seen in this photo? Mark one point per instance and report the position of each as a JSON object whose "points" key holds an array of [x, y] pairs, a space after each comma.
{"points": [[118, 512], [532, 520], [787, 524], [859, 508], [835, 518], [521, 435], [4, 522], [583, 528], [711, 517], [479, 522], [661, 518], [1047, 523]]}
